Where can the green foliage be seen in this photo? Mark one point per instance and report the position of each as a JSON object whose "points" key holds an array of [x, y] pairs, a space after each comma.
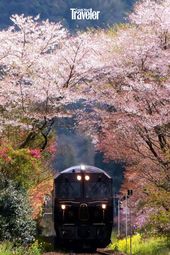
{"points": [[158, 220], [7, 248], [21, 170], [160, 223], [16, 223], [20, 166], [142, 246]]}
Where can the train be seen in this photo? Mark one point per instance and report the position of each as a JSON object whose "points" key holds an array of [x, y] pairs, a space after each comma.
{"points": [[83, 207]]}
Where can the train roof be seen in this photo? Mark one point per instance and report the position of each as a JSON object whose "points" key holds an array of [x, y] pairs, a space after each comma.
{"points": [[80, 168]]}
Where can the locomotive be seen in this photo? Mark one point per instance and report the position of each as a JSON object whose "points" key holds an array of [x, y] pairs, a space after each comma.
{"points": [[83, 207]]}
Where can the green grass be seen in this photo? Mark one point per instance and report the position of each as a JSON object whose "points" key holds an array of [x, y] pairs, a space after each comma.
{"points": [[7, 248], [140, 246]]}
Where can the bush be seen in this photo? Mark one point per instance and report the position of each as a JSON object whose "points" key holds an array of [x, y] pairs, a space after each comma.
{"points": [[159, 223], [7, 248], [16, 223], [22, 165], [140, 246]]}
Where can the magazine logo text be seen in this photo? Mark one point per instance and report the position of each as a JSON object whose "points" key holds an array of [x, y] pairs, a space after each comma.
{"points": [[84, 14]]}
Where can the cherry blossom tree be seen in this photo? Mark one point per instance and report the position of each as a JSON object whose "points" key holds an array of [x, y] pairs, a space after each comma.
{"points": [[122, 75], [44, 69], [131, 120]]}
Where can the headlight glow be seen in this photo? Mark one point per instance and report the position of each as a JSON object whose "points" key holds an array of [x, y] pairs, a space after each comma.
{"points": [[63, 207], [83, 167], [87, 177], [104, 206], [79, 177]]}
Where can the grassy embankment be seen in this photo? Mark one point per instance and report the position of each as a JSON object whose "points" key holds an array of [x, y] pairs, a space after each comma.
{"points": [[142, 246], [7, 248]]}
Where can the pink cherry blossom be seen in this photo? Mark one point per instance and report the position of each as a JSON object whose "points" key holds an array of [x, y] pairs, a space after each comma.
{"points": [[35, 153]]}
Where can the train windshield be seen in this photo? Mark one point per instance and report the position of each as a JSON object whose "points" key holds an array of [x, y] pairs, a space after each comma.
{"points": [[97, 190], [68, 189]]}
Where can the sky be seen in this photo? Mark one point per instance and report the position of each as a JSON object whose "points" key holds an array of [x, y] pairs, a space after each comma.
{"points": [[111, 11]]}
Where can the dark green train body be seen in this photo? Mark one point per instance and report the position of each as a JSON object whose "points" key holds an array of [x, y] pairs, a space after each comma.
{"points": [[83, 206]]}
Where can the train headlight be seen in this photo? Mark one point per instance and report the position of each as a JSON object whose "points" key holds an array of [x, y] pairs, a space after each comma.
{"points": [[63, 207], [104, 206], [83, 167], [79, 177], [87, 177]]}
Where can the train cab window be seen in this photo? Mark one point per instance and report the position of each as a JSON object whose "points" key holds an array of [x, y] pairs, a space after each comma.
{"points": [[97, 190], [66, 189]]}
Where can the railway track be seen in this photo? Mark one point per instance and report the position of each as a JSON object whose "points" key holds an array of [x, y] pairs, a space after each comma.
{"points": [[59, 251], [108, 252], [104, 252], [99, 251]]}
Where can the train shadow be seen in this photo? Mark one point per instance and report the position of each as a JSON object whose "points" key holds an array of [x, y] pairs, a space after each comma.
{"points": [[50, 244]]}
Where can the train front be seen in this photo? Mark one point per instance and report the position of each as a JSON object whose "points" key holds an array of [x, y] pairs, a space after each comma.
{"points": [[83, 206]]}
